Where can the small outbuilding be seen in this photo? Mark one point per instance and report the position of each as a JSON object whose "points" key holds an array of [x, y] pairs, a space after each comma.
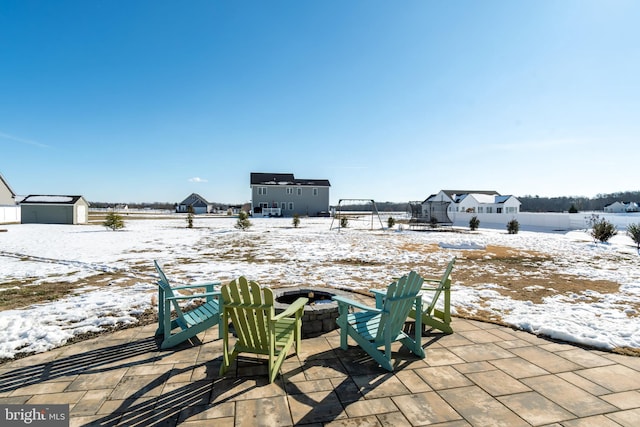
{"points": [[40, 209]]}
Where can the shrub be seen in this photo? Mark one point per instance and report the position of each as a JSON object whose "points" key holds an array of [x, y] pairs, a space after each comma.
{"points": [[296, 220], [344, 222], [633, 231], [513, 226], [474, 223], [243, 221], [433, 222], [113, 221], [601, 229], [573, 209], [391, 222]]}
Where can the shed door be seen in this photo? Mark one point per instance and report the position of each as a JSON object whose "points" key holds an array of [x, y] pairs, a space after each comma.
{"points": [[82, 214]]}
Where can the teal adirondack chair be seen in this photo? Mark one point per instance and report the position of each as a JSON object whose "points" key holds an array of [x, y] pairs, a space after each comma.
{"points": [[377, 327], [250, 308], [431, 316], [189, 323]]}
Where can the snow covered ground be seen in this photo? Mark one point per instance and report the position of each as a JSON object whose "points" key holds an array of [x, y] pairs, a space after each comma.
{"points": [[115, 277]]}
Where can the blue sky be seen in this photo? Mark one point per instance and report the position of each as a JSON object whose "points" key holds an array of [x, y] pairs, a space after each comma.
{"points": [[143, 101]]}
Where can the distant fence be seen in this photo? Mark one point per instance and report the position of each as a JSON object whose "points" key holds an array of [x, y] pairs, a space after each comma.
{"points": [[9, 214], [547, 221]]}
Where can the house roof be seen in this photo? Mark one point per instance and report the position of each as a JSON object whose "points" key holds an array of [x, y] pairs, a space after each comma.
{"points": [[38, 199], [285, 179], [621, 203], [481, 196], [502, 199], [194, 198], [4, 181], [452, 193], [484, 198]]}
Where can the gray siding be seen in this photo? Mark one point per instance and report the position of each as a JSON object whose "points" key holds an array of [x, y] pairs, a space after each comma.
{"points": [[47, 214], [300, 197]]}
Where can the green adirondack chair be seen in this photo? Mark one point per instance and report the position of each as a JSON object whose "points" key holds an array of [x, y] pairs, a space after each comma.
{"points": [[373, 328], [189, 323], [431, 316], [250, 308]]}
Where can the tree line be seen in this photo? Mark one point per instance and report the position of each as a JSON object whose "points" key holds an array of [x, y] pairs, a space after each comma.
{"points": [[532, 203], [565, 204], [529, 203]]}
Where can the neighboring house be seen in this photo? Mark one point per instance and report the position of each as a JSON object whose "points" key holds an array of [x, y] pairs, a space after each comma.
{"points": [[621, 207], [50, 209], [7, 196], [281, 194], [235, 209], [9, 210], [482, 202], [198, 203]]}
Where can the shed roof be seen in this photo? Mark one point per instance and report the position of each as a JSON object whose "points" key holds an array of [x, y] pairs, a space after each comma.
{"points": [[285, 179], [38, 199]]}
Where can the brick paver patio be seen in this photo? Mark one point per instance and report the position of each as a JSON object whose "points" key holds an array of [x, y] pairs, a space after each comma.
{"points": [[482, 375]]}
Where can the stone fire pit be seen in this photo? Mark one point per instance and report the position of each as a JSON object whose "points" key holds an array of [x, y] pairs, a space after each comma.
{"points": [[320, 313]]}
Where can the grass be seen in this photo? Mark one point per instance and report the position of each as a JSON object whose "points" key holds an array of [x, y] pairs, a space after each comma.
{"points": [[20, 294], [520, 275]]}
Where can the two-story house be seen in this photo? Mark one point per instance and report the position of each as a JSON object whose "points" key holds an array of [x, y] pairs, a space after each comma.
{"points": [[281, 194], [482, 202]]}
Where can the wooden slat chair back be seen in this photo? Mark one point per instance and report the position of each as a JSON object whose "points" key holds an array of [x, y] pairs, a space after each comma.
{"points": [[250, 308], [431, 315], [375, 327], [176, 326]]}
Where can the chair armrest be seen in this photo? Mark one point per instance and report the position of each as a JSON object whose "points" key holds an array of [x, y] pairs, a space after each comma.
{"points": [[208, 294], [196, 285], [297, 305], [346, 301], [380, 294]]}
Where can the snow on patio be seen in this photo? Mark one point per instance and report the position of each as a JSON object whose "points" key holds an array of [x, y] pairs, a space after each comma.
{"points": [[115, 277]]}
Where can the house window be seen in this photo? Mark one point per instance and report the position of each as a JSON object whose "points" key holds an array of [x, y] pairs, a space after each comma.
{"points": [[299, 191], [498, 210], [290, 206], [315, 191], [283, 205], [262, 191], [264, 204], [480, 209], [489, 209], [289, 191], [512, 209]]}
